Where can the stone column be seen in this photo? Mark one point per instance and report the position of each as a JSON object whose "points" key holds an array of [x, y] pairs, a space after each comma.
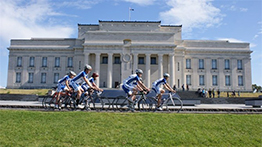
{"points": [[234, 77], [147, 72], [86, 58], [109, 70], [97, 68], [221, 75], [247, 79], [208, 76], [172, 67], [135, 62], [160, 65]]}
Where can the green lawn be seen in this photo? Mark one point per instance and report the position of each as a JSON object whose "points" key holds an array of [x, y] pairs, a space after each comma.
{"points": [[35, 128]]}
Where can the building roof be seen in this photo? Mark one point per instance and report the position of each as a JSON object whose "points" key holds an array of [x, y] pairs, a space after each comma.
{"points": [[124, 21]]}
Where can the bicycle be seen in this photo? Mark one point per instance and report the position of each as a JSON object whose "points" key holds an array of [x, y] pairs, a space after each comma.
{"points": [[171, 98]]}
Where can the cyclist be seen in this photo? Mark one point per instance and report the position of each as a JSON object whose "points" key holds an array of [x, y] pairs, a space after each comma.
{"points": [[159, 91], [63, 85], [92, 80], [133, 84], [78, 79]]}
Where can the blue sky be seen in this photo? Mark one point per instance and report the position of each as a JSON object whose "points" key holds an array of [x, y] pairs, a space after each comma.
{"points": [[233, 20]]}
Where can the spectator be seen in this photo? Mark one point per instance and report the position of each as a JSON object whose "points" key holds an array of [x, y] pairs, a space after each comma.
{"points": [[183, 87], [209, 92], [227, 94], [238, 93], [203, 93], [218, 93], [213, 92], [233, 93], [187, 87], [174, 87]]}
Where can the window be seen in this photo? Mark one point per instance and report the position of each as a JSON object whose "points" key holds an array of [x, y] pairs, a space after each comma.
{"points": [[141, 60], [104, 60], [56, 77], [201, 63], [44, 62], [18, 77], [30, 77], [201, 80], [178, 66], [57, 61], [214, 63], [127, 41], [227, 66], [43, 78], [240, 81], [70, 62], [188, 63], [19, 61], [117, 60], [153, 60], [32, 62], [227, 80], [239, 64], [214, 80], [188, 79]]}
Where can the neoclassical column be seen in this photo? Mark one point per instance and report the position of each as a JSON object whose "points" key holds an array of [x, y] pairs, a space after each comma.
{"points": [[97, 66], [86, 58], [147, 72], [135, 55], [172, 67], [109, 70], [160, 65]]}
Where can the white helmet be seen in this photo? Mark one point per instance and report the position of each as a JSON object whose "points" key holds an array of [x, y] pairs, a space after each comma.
{"points": [[72, 73], [166, 75], [88, 67], [139, 71]]}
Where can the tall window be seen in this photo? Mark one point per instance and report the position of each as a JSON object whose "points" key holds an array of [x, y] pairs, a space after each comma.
{"points": [[240, 81], [43, 78], [117, 60], [104, 60], [188, 63], [214, 80], [19, 61], [57, 61], [178, 66], [44, 62], [239, 64], [30, 77], [214, 63], [32, 62], [70, 62], [227, 80], [18, 77], [141, 60], [56, 77], [153, 60], [188, 79], [201, 80], [201, 63], [227, 64]]}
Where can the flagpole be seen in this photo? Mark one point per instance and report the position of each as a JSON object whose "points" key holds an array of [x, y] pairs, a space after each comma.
{"points": [[129, 13]]}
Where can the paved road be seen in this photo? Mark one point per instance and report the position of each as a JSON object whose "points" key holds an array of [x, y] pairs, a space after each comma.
{"points": [[202, 108]]}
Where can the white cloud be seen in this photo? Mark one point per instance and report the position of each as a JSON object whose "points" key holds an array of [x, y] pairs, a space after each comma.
{"points": [[192, 14], [234, 8], [141, 2], [23, 19], [79, 4]]}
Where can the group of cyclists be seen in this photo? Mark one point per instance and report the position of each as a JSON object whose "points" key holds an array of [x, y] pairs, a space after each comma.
{"points": [[82, 84]]}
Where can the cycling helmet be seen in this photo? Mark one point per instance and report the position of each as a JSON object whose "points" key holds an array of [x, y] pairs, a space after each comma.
{"points": [[72, 73], [88, 67], [95, 74], [166, 75], [139, 71]]}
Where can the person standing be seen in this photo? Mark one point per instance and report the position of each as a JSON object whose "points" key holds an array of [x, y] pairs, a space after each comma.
{"points": [[209, 92], [213, 92], [183, 87], [187, 87], [218, 93]]}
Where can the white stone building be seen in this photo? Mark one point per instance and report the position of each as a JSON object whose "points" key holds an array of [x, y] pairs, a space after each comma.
{"points": [[116, 48]]}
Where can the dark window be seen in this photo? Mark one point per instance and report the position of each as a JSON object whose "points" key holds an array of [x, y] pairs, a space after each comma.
{"points": [[32, 62], [57, 61], [188, 63], [104, 60], [201, 64], [227, 64], [141, 60], [30, 77], [239, 64], [44, 62], [117, 60], [43, 78], [227, 78], [214, 63], [70, 62], [153, 60], [56, 77], [19, 61], [18, 77]]}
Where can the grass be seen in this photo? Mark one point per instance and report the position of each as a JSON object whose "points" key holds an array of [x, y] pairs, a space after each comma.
{"points": [[24, 91], [34, 128]]}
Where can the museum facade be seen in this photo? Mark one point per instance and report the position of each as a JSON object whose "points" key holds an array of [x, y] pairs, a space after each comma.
{"points": [[116, 48]]}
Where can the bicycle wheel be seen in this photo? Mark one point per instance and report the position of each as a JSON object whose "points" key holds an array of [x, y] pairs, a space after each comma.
{"points": [[174, 101], [51, 104], [152, 103]]}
